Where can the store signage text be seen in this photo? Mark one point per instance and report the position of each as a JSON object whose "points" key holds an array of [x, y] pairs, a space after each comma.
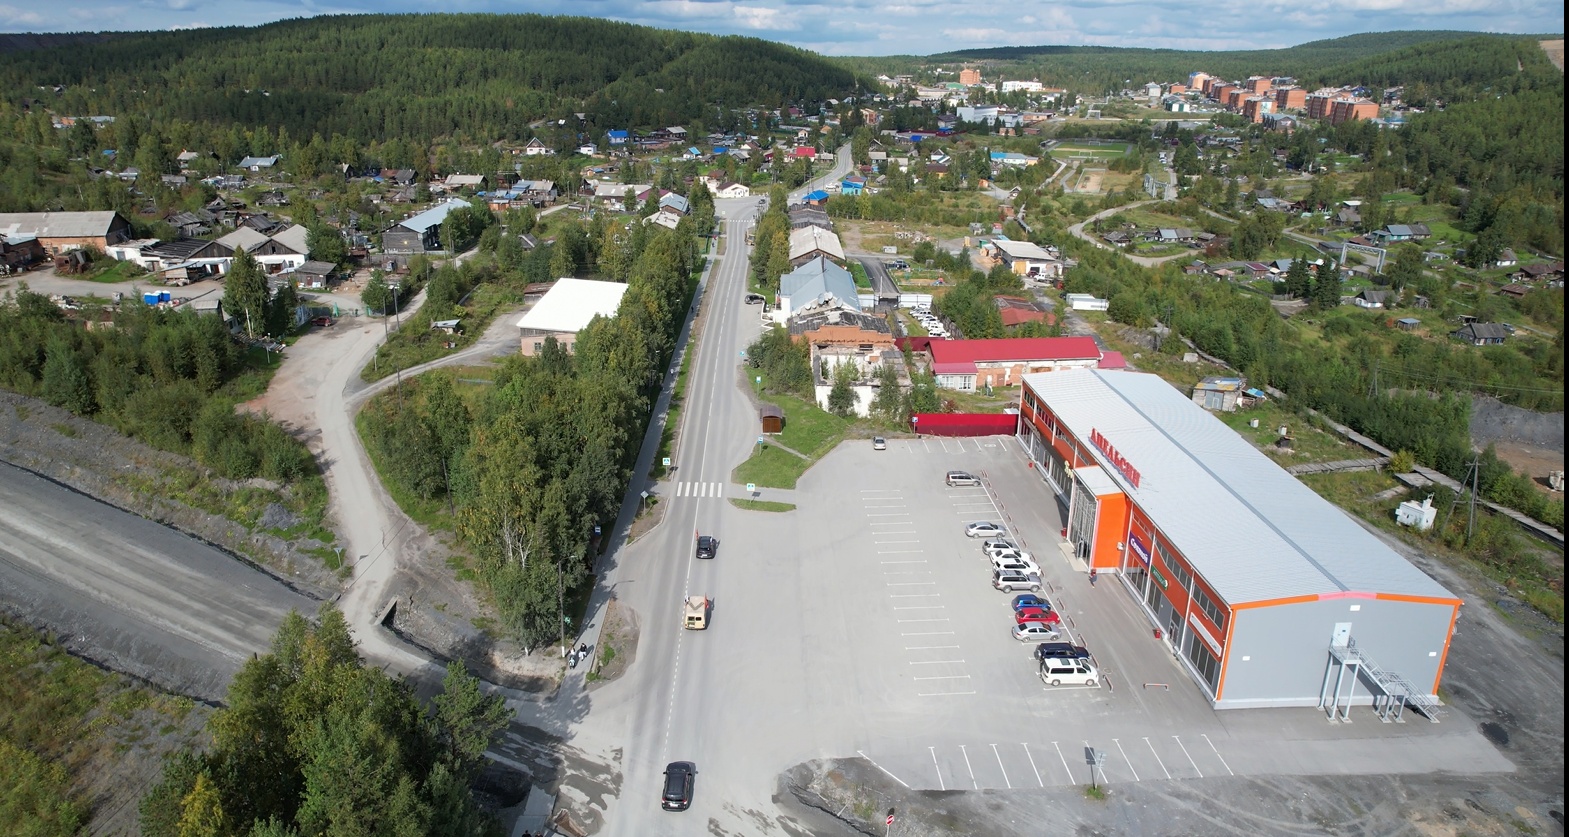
{"points": [[1139, 548], [1117, 460], [1159, 579]]}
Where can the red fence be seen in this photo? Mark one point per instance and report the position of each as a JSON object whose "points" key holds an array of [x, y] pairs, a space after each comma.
{"points": [[965, 424]]}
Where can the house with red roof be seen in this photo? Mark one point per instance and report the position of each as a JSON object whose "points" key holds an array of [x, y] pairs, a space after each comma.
{"points": [[1016, 311], [805, 152], [967, 365]]}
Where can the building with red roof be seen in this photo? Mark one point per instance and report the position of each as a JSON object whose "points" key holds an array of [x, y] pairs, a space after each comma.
{"points": [[967, 365], [1016, 311]]}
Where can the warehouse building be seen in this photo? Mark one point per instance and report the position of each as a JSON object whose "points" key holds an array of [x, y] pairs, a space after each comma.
{"points": [[1269, 595]]}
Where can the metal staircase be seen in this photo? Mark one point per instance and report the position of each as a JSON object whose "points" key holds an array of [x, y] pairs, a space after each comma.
{"points": [[1398, 692]]}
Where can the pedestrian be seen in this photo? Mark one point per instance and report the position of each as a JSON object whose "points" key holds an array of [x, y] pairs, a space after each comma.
{"points": [[1093, 575]]}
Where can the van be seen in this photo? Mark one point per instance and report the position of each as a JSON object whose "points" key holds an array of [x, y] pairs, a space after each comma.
{"points": [[1059, 671]]}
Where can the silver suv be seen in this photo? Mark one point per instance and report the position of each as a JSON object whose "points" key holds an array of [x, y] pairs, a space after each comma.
{"points": [[1012, 582], [962, 478]]}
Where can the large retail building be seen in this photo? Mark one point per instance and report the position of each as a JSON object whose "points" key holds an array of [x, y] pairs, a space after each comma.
{"points": [[1267, 593]]}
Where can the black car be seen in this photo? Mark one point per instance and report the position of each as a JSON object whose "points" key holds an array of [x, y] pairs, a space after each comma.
{"points": [[1061, 651], [678, 786], [707, 545]]}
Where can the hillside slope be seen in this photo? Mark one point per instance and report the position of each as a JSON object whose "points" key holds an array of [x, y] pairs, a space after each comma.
{"points": [[422, 76]]}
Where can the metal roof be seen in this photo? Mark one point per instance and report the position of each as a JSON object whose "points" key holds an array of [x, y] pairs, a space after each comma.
{"points": [[571, 304], [1254, 532], [58, 224]]}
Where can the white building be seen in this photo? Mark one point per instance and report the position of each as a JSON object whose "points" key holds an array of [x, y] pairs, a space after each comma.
{"points": [[566, 309]]}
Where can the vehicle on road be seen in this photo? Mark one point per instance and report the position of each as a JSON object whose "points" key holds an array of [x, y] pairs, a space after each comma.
{"points": [[1070, 672], [1036, 614], [1061, 651], [1031, 600], [1009, 582], [984, 529], [1032, 631], [707, 545], [696, 613], [680, 776], [879, 443], [962, 478]]}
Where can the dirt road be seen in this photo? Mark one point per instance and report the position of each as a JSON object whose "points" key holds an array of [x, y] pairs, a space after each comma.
{"points": [[1147, 261]]}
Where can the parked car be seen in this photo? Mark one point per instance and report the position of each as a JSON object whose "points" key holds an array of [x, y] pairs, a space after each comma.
{"points": [[1031, 600], [879, 443], [707, 545], [1072, 672], [1015, 565], [1010, 582], [1061, 651], [755, 299], [994, 547], [679, 778], [323, 322], [1036, 614], [962, 478], [984, 529], [1034, 631]]}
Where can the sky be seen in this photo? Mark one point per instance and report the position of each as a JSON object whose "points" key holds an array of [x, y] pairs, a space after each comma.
{"points": [[875, 27]]}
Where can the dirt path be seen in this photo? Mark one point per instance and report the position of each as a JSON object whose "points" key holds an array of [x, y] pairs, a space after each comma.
{"points": [[1147, 261]]}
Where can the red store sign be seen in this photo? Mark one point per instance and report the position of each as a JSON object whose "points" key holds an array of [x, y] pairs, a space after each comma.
{"points": [[1117, 461]]}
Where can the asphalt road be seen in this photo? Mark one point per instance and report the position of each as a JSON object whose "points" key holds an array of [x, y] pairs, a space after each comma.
{"points": [[132, 594]]}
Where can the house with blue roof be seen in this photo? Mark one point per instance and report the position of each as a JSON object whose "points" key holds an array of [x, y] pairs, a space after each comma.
{"points": [[851, 187], [619, 137], [816, 198], [422, 232], [814, 283], [675, 203]]}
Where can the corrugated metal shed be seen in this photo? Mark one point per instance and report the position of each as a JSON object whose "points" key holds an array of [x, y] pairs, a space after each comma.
{"points": [[1252, 530]]}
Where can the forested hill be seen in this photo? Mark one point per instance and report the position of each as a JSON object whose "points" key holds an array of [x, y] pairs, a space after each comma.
{"points": [[423, 76], [1098, 69]]}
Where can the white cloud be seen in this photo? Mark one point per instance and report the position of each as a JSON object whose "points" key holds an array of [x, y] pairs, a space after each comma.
{"points": [[762, 17], [12, 16]]}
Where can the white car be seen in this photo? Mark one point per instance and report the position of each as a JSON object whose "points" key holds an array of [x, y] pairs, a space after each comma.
{"points": [[1014, 582], [998, 546], [1015, 564], [1038, 631], [984, 530]]}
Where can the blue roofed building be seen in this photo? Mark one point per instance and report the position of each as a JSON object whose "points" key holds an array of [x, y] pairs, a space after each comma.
{"points": [[813, 283], [619, 137]]}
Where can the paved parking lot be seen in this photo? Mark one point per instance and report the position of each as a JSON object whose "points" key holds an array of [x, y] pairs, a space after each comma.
{"points": [[928, 684]]}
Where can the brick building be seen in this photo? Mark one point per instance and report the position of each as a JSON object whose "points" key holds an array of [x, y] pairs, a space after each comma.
{"points": [[1349, 109], [1258, 84], [1290, 98], [61, 232], [1255, 108], [968, 76]]}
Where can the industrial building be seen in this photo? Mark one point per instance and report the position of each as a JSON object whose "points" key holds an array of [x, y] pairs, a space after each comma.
{"points": [[1268, 595]]}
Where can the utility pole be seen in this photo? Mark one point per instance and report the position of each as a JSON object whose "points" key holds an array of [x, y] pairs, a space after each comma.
{"points": [[1470, 523]]}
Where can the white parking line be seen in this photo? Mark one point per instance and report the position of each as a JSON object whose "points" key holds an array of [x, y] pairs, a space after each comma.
{"points": [[888, 514], [936, 662], [1126, 759], [909, 540], [944, 677], [935, 766], [1217, 753], [911, 621], [901, 552], [928, 647], [941, 694], [908, 583], [921, 607], [1157, 757], [1005, 779], [930, 633], [1032, 765], [881, 490], [1064, 762], [1190, 757], [894, 506], [880, 767], [968, 767], [912, 595]]}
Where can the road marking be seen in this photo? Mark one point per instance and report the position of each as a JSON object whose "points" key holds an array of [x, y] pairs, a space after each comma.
{"points": [[1217, 753], [894, 506], [1126, 759], [908, 583], [900, 552], [941, 785], [941, 694], [1064, 762], [912, 595], [883, 769], [1032, 765], [907, 621], [944, 677], [928, 647], [888, 514], [882, 491], [700, 489], [920, 607], [1005, 779], [968, 767], [1190, 757], [930, 633], [937, 662], [1157, 757], [912, 540]]}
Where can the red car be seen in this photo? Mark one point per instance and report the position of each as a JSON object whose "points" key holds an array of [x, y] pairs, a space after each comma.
{"points": [[323, 322], [1035, 614]]}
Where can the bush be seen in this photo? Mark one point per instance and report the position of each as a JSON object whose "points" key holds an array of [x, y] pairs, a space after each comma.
{"points": [[1402, 462]]}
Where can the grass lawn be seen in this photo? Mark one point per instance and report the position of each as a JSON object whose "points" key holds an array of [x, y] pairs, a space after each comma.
{"points": [[1351, 490], [414, 342], [771, 467], [762, 505], [858, 273], [1310, 444], [1072, 149], [673, 416], [979, 402], [118, 271], [808, 429]]}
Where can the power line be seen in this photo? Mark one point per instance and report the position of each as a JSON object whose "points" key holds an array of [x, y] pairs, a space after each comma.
{"points": [[1458, 382]]}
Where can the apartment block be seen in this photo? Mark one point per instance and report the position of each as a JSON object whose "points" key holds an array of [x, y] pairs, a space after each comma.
{"points": [[1235, 97], [968, 76], [1197, 80], [1350, 109], [1218, 91], [1290, 98], [1257, 84], [1255, 108]]}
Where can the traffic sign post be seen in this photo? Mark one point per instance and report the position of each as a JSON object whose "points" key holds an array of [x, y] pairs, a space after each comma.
{"points": [[1096, 759], [751, 488], [667, 462], [889, 821]]}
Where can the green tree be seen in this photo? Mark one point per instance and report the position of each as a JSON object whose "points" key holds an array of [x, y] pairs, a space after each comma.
{"points": [[65, 381], [841, 396], [889, 401], [1326, 286], [467, 719], [245, 293], [282, 310], [1407, 267], [376, 296], [325, 244], [1299, 279]]}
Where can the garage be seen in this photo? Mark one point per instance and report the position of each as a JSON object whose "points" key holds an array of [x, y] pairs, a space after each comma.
{"points": [[1269, 595]]}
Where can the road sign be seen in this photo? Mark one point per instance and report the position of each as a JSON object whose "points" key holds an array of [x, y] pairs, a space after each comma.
{"points": [[889, 821], [751, 488], [759, 378], [915, 419], [742, 354], [760, 440], [667, 462]]}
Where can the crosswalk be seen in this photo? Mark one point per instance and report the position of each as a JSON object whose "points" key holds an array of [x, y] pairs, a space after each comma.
{"points": [[700, 489]]}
